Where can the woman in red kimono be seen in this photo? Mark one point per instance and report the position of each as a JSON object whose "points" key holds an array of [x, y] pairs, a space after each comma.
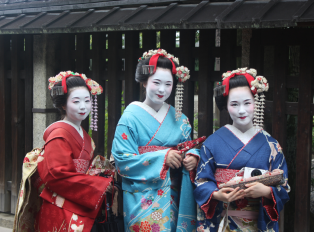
{"points": [[71, 198]]}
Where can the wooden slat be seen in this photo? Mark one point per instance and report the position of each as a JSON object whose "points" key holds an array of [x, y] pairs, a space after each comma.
{"points": [[82, 62], [149, 42], [18, 114], [260, 14], [66, 48], [279, 105], [28, 67], [5, 125], [99, 44], [132, 88], [304, 141], [227, 62], [257, 51], [205, 95], [280, 92], [167, 42], [87, 13], [115, 87], [187, 42], [163, 12]]}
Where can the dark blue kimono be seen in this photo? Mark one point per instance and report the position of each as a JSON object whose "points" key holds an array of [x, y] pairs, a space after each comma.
{"points": [[224, 148]]}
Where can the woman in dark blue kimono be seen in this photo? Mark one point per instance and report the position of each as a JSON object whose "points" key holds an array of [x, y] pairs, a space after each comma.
{"points": [[233, 147]]}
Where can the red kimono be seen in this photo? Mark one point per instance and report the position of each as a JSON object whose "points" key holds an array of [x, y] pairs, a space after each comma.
{"points": [[71, 199]]}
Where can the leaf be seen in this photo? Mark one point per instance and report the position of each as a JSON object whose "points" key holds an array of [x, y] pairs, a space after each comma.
{"points": [[273, 152]]}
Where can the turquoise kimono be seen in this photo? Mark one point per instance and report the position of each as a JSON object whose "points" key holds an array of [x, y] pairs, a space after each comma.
{"points": [[152, 196]]}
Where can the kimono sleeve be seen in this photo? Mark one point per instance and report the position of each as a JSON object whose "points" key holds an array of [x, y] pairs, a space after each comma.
{"points": [[58, 172], [205, 183], [270, 209], [192, 152], [130, 164]]}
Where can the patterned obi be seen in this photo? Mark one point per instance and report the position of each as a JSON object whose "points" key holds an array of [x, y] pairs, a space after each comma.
{"points": [[144, 149], [224, 175], [246, 209]]}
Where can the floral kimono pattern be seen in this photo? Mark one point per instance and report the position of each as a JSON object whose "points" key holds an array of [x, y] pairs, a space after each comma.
{"points": [[69, 199], [224, 150], [152, 198]]}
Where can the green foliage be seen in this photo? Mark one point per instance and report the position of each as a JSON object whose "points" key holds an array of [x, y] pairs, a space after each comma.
{"points": [[158, 39]]}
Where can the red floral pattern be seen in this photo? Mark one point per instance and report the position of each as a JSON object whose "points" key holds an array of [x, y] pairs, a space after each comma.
{"points": [[81, 165], [136, 228], [145, 227], [144, 149], [224, 175], [124, 136], [160, 192]]}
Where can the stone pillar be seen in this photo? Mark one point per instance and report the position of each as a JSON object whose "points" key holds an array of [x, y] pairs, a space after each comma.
{"points": [[44, 65], [246, 38]]}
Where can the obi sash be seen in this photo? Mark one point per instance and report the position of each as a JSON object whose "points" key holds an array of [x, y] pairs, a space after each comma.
{"points": [[144, 149], [225, 175]]}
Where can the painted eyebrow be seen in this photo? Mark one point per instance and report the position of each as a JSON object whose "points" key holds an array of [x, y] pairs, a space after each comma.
{"points": [[160, 80], [79, 98]]}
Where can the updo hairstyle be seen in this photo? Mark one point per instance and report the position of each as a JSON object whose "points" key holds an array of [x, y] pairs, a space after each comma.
{"points": [[237, 81], [162, 62], [61, 100]]}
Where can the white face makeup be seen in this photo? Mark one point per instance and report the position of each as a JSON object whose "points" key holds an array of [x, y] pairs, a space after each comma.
{"points": [[158, 88], [241, 108], [78, 105]]}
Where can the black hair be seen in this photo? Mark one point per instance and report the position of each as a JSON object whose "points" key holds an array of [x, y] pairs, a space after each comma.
{"points": [[60, 101], [162, 62], [237, 81]]}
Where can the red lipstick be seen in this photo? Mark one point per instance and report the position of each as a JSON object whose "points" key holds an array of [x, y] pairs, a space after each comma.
{"points": [[82, 113], [160, 96], [243, 117]]}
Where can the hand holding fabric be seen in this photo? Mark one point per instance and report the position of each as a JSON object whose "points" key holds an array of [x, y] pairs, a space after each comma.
{"points": [[174, 159], [190, 162]]}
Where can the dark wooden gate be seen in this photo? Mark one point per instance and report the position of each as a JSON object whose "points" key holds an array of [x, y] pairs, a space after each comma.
{"points": [[111, 61]]}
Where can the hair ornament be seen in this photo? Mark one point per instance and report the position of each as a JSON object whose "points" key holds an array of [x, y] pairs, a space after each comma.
{"points": [[94, 88], [182, 74], [258, 85]]}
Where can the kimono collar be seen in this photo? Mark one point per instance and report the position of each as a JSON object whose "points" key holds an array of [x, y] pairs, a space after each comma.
{"points": [[65, 126], [159, 116], [243, 137], [232, 140]]}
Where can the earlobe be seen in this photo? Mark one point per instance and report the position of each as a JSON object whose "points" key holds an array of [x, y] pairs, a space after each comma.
{"points": [[144, 84]]}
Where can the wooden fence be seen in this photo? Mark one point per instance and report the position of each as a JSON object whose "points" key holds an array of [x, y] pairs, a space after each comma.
{"points": [[111, 61]]}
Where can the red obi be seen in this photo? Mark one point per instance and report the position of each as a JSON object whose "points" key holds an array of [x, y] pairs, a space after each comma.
{"points": [[144, 149], [224, 175]]}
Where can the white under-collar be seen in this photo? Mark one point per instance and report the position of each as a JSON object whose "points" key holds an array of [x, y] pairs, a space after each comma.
{"points": [[159, 116], [244, 137]]}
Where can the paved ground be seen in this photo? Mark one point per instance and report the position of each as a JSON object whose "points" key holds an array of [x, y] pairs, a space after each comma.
{"points": [[2, 229]]}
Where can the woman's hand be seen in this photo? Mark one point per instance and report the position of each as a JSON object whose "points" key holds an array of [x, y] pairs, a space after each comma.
{"points": [[174, 159], [255, 190], [190, 162], [228, 194]]}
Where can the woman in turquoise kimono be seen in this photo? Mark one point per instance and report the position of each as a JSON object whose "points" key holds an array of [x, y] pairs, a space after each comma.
{"points": [[244, 144], [144, 148]]}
